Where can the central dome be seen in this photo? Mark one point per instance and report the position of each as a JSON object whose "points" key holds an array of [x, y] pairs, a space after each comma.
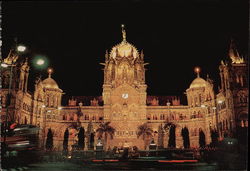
{"points": [[198, 82], [124, 49], [50, 83]]}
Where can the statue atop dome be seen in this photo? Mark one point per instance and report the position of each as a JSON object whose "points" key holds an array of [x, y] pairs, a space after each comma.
{"points": [[123, 33]]}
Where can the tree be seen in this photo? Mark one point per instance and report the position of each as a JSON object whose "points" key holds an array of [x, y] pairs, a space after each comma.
{"points": [[91, 140], [160, 136], [171, 140], [81, 137], [202, 140], [90, 135], [170, 127], [66, 140], [185, 136], [106, 129], [146, 132], [49, 141], [214, 137]]}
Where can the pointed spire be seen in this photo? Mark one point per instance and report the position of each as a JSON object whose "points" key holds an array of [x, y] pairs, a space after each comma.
{"points": [[123, 33], [197, 70], [234, 54], [142, 55], [106, 55]]}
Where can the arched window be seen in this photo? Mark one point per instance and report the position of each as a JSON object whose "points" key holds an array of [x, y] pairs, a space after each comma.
{"points": [[48, 100], [161, 118], [71, 117], [241, 81], [195, 132], [196, 101], [55, 101], [199, 114]]}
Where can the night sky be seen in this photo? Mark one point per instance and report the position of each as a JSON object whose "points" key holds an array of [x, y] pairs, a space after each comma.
{"points": [[175, 36]]}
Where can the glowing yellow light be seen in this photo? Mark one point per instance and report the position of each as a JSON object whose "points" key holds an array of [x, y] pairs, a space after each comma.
{"points": [[4, 65], [197, 69], [21, 48], [220, 101], [50, 70], [40, 62]]}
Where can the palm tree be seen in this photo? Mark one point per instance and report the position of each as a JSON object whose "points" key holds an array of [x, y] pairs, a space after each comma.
{"points": [[167, 125], [146, 132], [106, 129]]}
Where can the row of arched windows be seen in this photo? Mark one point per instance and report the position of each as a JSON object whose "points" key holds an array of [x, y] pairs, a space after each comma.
{"points": [[167, 117], [52, 101], [221, 105], [196, 115], [74, 117]]}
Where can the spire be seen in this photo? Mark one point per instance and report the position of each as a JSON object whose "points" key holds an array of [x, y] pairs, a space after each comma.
{"points": [[197, 70], [123, 33], [50, 70], [142, 55], [106, 55], [234, 54]]}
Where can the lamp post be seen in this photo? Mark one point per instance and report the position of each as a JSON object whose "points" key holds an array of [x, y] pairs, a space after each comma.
{"points": [[44, 124], [168, 104], [10, 62]]}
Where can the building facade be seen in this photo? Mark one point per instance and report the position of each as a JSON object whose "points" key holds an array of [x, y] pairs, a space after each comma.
{"points": [[125, 103]]}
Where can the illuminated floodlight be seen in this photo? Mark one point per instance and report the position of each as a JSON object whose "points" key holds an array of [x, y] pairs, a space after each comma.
{"points": [[203, 105], [21, 48], [220, 101], [4, 65], [40, 62]]}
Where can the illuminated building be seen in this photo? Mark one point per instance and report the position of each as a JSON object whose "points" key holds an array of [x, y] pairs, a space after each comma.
{"points": [[124, 102]]}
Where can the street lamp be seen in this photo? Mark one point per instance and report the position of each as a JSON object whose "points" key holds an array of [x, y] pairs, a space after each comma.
{"points": [[168, 104], [21, 48], [10, 61], [40, 62]]}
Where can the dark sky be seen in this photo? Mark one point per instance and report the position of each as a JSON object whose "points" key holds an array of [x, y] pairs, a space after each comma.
{"points": [[175, 37]]}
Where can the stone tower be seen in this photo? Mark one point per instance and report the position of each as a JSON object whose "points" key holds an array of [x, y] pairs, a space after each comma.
{"points": [[234, 86], [124, 92], [201, 100]]}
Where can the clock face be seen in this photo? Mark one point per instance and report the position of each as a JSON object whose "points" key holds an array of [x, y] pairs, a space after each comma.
{"points": [[125, 95]]}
